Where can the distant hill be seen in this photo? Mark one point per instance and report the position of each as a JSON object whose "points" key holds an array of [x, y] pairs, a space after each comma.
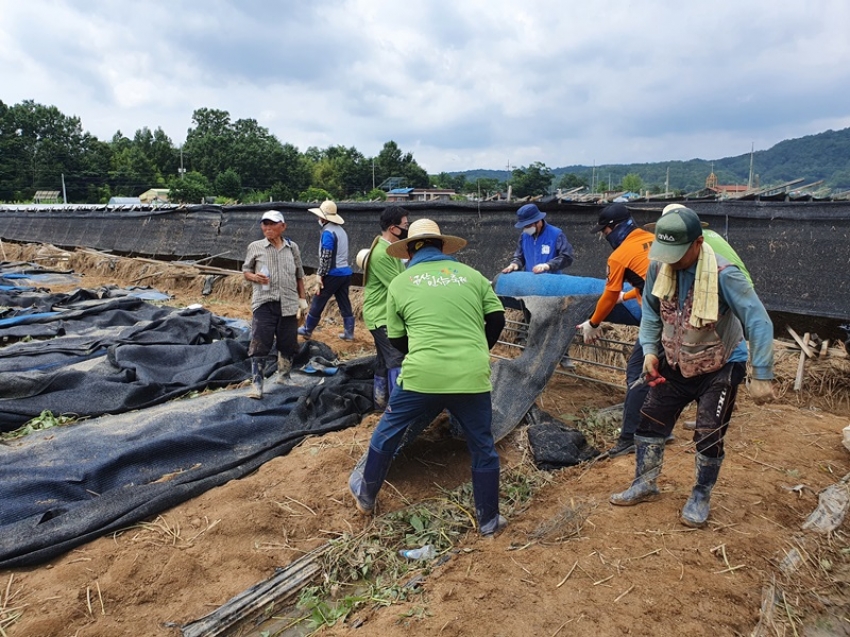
{"points": [[823, 156]]}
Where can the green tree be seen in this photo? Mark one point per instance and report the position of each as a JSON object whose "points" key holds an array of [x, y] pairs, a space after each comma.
{"points": [[531, 181], [632, 183], [392, 162], [190, 189], [228, 184], [568, 181], [315, 194]]}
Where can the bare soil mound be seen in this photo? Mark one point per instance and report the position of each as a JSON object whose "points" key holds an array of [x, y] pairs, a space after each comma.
{"points": [[568, 563]]}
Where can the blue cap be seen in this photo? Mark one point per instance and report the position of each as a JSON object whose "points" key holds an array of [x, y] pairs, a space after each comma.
{"points": [[527, 215]]}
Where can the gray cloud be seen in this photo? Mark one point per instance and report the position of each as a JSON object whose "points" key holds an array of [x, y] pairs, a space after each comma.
{"points": [[461, 85]]}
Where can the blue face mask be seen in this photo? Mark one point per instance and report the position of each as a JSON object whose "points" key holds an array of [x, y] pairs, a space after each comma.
{"points": [[618, 234]]}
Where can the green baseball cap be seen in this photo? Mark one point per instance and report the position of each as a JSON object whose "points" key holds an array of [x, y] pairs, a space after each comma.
{"points": [[674, 234]]}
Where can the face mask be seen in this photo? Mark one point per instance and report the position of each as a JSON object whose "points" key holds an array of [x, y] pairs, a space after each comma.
{"points": [[402, 233], [321, 225], [530, 230]]}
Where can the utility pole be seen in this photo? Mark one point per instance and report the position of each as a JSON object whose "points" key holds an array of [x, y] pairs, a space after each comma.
{"points": [[373, 173], [181, 170], [750, 180], [667, 183], [64, 196]]}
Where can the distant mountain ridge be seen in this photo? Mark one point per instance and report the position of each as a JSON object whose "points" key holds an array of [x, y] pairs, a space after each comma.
{"points": [[823, 156]]}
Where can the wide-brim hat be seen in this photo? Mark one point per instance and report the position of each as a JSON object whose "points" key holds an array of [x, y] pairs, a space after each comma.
{"points": [[425, 229], [650, 227], [327, 211], [364, 256], [528, 214]]}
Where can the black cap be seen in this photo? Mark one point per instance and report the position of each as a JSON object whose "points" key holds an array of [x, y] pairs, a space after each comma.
{"points": [[611, 216]]}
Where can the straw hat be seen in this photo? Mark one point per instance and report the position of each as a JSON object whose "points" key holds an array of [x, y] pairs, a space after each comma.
{"points": [[363, 257], [425, 229], [327, 211]]}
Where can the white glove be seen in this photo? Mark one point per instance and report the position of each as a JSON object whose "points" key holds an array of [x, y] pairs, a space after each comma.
{"points": [[620, 297], [589, 333], [302, 309], [761, 391], [539, 269], [511, 268]]}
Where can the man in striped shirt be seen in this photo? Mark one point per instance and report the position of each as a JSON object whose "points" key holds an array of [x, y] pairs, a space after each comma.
{"points": [[273, 266]]}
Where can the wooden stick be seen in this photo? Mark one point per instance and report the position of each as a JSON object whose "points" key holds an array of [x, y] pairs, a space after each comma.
{"points": [[801, 366], [802, 342], [567, 576]]}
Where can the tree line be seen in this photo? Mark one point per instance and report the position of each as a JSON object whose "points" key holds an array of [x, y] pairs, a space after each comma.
{"points": [[240, 161]]}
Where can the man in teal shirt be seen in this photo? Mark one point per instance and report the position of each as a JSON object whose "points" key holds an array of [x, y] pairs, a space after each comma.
{"points": [[445, 317], [379, 270]]}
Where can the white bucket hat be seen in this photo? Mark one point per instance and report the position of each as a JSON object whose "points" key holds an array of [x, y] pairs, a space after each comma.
{"points": [[327, 211], [425, 229]]}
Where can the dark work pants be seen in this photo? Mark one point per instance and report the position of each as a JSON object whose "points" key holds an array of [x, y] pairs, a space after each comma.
{"points": [[714, 393], [336, 287], [267, 326], [387, 356], [634, 397]]}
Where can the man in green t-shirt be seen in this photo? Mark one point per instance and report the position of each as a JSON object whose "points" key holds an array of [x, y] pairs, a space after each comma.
{"points": [[379, 269], [444, 316]]}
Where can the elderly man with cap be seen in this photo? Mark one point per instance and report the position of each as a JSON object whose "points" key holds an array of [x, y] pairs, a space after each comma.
{"points": [[627, 264], [445, 317], [334, 273], [379, 270], [541, 247], [273, 266], [699, 311]]}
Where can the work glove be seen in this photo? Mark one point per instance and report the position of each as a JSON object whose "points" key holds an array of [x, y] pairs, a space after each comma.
{"points": [[650, 371], [301, 312], [620, 296], [589, 333], [317, 286], [511, 268], [761, 391], [540, 268]]}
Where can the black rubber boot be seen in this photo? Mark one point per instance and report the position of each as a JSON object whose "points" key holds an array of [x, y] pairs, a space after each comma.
{"points": [[258, 368], [485, 492], [367, 477], [649, 456], [696, 509], [622, 447]]}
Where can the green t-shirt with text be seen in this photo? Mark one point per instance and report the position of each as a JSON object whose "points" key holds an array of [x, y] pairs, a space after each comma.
{"points": [[380, 272], [440, 306]]}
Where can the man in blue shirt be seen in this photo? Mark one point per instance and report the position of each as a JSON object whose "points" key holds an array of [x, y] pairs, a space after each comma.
{"points": [[541, 247], [699, 310], [334, 273]]}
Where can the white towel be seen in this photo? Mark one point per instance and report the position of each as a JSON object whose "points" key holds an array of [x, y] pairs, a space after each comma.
{"points": [[706, 305]]}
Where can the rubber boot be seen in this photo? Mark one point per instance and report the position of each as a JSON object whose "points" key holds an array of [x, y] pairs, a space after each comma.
{"points": [[696, 509], [258, 368], [380, 392], [348, 326], [649, 456], [284, 366], [485, 491], [310, 324], [367, 477]]}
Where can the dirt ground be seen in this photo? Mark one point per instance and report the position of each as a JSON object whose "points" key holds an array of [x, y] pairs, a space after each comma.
{"points": [[618, 571]]}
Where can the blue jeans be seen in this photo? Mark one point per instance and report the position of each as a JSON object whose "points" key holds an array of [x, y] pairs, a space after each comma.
{"points": [[474, 412], [634, 397]]}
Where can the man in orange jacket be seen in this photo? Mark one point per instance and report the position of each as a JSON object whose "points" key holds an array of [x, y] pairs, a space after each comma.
{"points": [[628, 263]]}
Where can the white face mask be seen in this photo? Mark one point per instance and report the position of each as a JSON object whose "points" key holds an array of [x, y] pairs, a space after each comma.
{"points": [[321, 225], [530, 230]]}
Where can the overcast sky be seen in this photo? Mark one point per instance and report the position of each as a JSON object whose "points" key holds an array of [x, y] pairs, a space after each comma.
{"points": [[461, 84]]}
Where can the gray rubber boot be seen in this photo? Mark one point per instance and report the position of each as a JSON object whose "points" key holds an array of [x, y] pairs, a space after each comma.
{"points": [[367, 477], [485, 492], [284, 366], [380, 392], [696, 509], [649, 456], [348, 326], [258, 368]]}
